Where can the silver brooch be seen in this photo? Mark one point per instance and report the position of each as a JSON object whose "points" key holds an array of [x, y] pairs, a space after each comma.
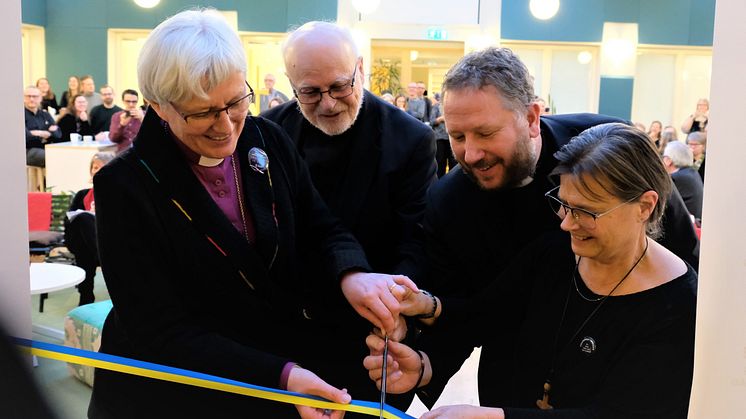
{"points": [[588, 345], [258, 160]]}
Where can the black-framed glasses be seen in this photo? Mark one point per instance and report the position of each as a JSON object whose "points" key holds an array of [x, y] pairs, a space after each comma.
{"points": [[584, 218], [312, 96], [207, 118]]}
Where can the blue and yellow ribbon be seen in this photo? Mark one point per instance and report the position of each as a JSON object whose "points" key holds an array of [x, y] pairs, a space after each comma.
{"points": [[182, 376]]}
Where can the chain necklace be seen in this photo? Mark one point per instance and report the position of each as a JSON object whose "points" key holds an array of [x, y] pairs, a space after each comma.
{"points": [[240, 198], [544, 402]]}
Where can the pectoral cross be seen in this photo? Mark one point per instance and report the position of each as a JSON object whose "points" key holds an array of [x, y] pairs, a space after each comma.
{"points": [[543, 404]]}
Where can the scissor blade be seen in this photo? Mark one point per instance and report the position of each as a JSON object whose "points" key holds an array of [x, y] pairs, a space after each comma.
{"points": [[383, 373]]}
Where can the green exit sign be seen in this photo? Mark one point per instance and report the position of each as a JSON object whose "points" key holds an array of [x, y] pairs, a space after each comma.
{"points": [[437, 34]]}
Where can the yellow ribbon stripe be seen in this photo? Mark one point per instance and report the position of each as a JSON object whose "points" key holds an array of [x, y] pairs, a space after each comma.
{"points": [[78, 356]]}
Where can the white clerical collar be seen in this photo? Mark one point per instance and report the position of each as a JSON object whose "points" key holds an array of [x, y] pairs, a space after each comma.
{"points": [[208, 161]]}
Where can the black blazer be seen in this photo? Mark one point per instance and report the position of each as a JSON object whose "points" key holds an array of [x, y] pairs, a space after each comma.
{"points": [[472, 235], [189, 291], [382, 197]]}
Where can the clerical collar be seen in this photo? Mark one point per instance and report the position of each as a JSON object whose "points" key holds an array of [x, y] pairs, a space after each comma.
{"points": [[209, 161], [190, 155]]}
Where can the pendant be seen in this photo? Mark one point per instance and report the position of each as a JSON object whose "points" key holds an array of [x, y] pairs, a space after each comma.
{"points": [[543, 404], [588, 345]]}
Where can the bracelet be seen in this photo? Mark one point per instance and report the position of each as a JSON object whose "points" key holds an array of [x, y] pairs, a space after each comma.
{"points": [[422, 369], [435, 307]]}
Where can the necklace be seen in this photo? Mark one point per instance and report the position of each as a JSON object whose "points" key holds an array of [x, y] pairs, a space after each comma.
{"points": [[544, 402], [240, 198]]}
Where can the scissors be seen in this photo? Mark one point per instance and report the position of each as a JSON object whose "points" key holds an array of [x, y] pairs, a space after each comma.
{"points": [[383, 373]]}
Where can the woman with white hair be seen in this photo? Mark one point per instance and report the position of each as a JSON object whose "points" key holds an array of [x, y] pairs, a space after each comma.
{"points": [[199, 226]]}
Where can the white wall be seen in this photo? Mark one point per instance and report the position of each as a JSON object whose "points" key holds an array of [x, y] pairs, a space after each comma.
{"points": [[720, 359], [15, 304]]}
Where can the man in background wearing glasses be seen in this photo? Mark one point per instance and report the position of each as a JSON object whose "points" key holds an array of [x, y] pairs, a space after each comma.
{"points": [[126, 123], [370, 162], [484, 212]]}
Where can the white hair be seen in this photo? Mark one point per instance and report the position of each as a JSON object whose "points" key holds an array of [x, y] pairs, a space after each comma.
{"points": [[187, 55], [680, 154]]}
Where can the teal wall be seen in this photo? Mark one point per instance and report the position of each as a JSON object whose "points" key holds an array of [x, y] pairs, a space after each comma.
{"points": [[34, 12], [615, 97], [76, 30], [664, 22]]}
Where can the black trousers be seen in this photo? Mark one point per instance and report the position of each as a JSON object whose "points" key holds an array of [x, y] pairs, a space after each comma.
{"points": [[80, 238], [444, 157]]}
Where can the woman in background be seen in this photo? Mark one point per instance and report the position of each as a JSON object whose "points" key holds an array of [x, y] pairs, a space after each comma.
{"points": [[75, 120], [401, 102], [73, 88], [48, 98], [80, 230]]}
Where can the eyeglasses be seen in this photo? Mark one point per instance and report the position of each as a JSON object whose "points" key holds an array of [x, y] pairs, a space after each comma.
{"points": [[312, 96], [207, 118], [584, 218]]}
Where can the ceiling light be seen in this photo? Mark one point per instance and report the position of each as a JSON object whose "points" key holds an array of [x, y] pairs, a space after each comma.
{"points": [[147, 4], [544, 9]]}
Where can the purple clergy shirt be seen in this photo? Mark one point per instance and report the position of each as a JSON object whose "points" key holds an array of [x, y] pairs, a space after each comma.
{"points": [[219, 182]]}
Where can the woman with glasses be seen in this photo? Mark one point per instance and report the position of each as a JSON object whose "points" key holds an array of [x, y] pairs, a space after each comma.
{"points": [[199, 225], [595, 322]]}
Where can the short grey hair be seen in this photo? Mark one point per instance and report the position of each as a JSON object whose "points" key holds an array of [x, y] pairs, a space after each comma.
{"points": [[680, 154], [697, 136], [498, 67], [188, 55], [623, 160], [319, 29]]}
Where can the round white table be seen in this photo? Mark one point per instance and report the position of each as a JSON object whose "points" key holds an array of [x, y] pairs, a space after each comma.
{"points": [[49, 277]]}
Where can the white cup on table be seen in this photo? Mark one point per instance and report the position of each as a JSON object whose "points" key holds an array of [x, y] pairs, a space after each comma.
{"points": [[87, 138], [75, 137]]}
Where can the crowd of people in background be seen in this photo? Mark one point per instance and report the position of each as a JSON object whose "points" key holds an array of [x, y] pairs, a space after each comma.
{"points": [[684, 160], [81, 112]]}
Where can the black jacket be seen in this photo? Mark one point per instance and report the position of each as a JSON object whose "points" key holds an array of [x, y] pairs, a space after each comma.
{"points": [[190, 291], [381, 197]]}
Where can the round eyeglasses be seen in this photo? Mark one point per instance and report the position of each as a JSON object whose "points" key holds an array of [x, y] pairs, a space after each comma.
{"points": [[312, 96], [205, 119], [584, 218]]}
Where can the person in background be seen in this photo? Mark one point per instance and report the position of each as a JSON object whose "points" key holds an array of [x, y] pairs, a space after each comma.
{"points": [[40, 127], [73, 88], [443, 153], [88, 90], [598, 319], [80, 230], [543, 105], [671, 130], [125, 124], [275, 102], [698, 120], [200, 225], [697, 142], [371, 164], [272, 93], [401, 102], [654, 132], [640, 126], [415, 104], [101, 114], [76, 119], [48, 98], [422, 94], [678, 160], [388, 97]]}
